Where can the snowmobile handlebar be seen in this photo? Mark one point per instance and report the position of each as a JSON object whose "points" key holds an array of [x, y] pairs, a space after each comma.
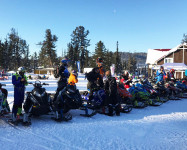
{"points": [[38, 83]]}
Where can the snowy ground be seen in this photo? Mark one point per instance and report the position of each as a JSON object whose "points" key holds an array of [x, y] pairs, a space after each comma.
{"points": [[160, 128]]}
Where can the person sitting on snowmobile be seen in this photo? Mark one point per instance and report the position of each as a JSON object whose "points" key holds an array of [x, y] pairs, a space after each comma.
{"points": [[160, 75], [19, 80], [126, 80], [112, 99], [3, 98], [94, 81], [73, 78], [63, 73]]}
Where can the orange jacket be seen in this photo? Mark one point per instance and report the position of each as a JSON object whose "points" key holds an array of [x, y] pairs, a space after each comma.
{"points": [[101, 69], [72, 79]]}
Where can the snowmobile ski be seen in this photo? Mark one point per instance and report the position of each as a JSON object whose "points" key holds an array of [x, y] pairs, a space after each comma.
{"points": [[126, 108]]}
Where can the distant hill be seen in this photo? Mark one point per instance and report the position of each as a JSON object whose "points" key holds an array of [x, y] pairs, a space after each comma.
{"points": [[140, 57]]}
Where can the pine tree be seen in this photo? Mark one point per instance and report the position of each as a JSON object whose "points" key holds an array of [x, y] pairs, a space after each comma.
{"points": [[71, 55], [109, 59], [118, 65], [100, 51], [47, 55], [79, 39], [14, 50], [184, 40]]}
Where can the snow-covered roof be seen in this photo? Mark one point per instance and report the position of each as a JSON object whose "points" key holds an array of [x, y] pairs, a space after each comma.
{"points": [[155, 54], [171, 51]]}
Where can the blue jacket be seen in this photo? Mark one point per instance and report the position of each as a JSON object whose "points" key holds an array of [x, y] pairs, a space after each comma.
{"points": [[19, 88], [160, 76]]}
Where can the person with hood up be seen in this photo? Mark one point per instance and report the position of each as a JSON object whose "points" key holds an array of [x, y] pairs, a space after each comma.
{"points": [[160, 74]]}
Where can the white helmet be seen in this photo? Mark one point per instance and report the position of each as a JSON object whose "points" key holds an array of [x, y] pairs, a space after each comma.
{"points": [[21, 69]]}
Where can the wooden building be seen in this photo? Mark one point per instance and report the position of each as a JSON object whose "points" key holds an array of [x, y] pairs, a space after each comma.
{"points": [[177, 56]]}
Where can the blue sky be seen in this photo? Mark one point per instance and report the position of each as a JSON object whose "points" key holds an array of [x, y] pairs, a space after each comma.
{"points": [[137, 24]]}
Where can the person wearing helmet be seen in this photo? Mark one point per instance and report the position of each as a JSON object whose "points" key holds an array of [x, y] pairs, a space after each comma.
{"points": [[19, 80], [63, 75], [160, 75], [73, 78]]}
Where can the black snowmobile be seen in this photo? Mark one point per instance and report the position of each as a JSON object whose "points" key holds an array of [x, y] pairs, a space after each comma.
{"points": [[37, 102], [67, 99], [162, 92]]}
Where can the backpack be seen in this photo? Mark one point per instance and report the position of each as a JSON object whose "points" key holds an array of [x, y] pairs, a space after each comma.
{"points": [[112, 86], [56, 72]]}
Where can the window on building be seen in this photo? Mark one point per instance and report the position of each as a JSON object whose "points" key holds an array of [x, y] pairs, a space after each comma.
{"points": [[168, 60]]}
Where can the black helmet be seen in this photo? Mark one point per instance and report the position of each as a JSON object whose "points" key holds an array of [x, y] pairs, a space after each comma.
{"points": [[99, 60]]}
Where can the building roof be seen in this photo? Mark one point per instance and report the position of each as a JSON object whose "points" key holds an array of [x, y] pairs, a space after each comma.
{"points": [[172, 50], [155, 54]]}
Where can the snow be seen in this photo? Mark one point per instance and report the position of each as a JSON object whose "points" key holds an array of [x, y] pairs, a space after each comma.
{"points": [[153, 55], [163, 127]]}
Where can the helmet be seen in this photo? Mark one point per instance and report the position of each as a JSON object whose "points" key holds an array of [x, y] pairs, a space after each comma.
{"points": [[99, 60], [65, 60], [74, 73], [172, 71], [21, 69]]}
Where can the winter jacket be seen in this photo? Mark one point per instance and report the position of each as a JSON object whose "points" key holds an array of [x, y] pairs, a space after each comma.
{"points": [[160, 76], [111, 95], [19, 88], [63, 73], [72, 79], [126, 83], [94, 79], [101, 71], [107, 85]]}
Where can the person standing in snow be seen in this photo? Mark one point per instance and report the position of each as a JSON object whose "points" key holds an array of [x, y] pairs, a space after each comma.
{"points": [[112, 99], [19, 80]]}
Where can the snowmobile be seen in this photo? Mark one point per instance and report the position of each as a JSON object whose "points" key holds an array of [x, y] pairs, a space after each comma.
{"points": [[4, 106], [37, 102], [140, 96], [175, 93], [126, 99], [67, 99], [154, 97], [162, 92], [98, 102]]}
